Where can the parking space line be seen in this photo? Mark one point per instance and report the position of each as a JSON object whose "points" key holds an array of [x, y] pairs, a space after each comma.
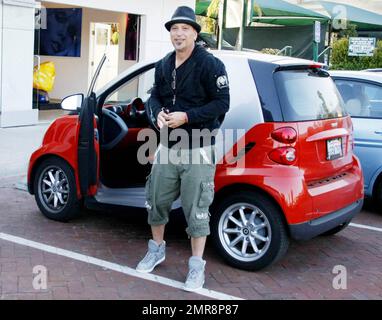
{"points": [[113, 266], [362, 226]]}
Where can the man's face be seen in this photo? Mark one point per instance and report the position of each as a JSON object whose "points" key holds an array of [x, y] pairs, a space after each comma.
{"points": [[182, 36]]}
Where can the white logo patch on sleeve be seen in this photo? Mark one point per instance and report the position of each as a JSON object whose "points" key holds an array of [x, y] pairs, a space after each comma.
{"points": [[222, 82]]}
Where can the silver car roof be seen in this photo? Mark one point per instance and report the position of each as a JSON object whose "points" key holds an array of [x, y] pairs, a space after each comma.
{"points": [[365, 75], [284, 61], [272, 59]]}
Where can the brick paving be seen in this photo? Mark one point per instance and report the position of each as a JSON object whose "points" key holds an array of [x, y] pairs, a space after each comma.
{"points": [[305, 272]]}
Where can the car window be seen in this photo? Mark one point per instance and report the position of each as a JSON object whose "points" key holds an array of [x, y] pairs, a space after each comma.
{"points": [[307, 95], [139, 86], [362, 99]]}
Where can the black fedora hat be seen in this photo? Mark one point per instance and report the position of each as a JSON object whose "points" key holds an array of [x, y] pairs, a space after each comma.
{"points": [[183, 14]]}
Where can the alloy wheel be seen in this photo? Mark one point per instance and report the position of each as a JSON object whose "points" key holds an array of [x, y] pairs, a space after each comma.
{"points": [[245, 232], [54, 188]]}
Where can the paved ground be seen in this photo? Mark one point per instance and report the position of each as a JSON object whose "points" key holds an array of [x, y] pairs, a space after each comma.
{"points": [[121, 238], [17, 144]]}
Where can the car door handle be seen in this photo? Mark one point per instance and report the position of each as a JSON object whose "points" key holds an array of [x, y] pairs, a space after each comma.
{"points": [[378, 132]]}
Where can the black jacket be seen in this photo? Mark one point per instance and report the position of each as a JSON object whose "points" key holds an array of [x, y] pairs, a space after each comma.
{"points": [[202, 91]]}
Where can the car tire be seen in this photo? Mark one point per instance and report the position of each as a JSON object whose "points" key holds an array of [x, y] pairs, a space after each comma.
{"points": [[377, 196], [335, 230], [56, 191], [257, 222]]}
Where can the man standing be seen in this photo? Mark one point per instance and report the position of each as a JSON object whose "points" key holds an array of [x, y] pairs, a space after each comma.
{"points": [[190, 93]]}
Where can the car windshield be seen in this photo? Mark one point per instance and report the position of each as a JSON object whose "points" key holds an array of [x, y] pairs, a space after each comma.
{"points": [[308, 95]]}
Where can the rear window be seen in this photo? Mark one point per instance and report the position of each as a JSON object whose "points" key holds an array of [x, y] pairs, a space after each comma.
{"points": [[308, 95]]}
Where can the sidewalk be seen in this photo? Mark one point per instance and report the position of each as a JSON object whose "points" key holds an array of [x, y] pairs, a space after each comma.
{"points": [[18, 143]]}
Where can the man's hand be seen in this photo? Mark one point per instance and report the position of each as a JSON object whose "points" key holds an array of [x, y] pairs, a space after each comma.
{"points": [[176, 119], [162, 119]]}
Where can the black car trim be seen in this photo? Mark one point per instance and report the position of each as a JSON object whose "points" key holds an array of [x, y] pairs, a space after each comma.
{"points": [[262, 73], [315, 227]]}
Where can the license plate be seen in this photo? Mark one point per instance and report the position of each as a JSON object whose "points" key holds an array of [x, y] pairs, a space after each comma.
{"points": [[334, 149]]}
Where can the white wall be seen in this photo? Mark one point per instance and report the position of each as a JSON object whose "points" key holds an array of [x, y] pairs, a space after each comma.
{"points": [[17, 35], [17, 30], [155, 39], [72, 73], [1, 41]]}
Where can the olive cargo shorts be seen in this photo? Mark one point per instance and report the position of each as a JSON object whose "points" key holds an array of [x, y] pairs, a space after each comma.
{"points": [[188, 173]]}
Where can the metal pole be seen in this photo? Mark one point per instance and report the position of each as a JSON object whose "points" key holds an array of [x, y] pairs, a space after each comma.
{"points": [[222, 21], [316, 39], [315, 51], [239, 41], [330, 40]]}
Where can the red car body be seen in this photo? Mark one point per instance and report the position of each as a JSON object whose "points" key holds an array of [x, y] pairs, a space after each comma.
{"points": [[313, 195]]}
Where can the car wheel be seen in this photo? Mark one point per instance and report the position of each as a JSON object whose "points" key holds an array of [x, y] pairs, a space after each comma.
{"points": [[55, 190], [377, 196], [336, 229], [248, 230]]}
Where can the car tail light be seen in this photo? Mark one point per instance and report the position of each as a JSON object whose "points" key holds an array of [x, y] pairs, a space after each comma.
{"points": [[283, 155], [285, 135], [315, 66]]}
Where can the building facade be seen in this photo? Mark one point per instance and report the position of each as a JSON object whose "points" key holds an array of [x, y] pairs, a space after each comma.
{"points": [[18, 56]]}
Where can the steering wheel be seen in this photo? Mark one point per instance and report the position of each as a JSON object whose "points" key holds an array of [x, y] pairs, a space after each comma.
{"points": [[150, 116], [113, 129], [136, 108]]}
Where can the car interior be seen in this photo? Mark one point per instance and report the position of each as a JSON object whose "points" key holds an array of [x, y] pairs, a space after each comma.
{"points": [[122, 176], [123, 116], [122, 113], [356, 101], [119, 127]]}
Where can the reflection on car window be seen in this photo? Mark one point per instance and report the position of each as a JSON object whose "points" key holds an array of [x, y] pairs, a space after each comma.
{"points": [[361, 99], [137, 87], [318, 100]]}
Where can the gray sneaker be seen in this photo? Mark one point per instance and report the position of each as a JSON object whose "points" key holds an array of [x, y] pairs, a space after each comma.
{"points": [[195, 277], [154, 256]]}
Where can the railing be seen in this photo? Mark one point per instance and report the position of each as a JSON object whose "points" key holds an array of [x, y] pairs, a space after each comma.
{"points": [[326, 54], [285, 50], [327, 49]]}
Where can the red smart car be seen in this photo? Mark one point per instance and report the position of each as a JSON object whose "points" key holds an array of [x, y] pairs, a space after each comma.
{"points": [[287, 171]]}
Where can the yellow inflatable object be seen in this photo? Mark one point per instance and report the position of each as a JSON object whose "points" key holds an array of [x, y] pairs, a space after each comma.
{"points": [[115, 38], [43, 79]]}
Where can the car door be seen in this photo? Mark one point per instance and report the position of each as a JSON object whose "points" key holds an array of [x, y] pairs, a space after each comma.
{"points": [[88, 144], [363, 100]]}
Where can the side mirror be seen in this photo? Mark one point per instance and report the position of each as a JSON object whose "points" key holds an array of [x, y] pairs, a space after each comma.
{"points": [[73, 102]]}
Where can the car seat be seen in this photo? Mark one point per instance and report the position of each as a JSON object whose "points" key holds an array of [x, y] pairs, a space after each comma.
{"points": [[359, 92], [353, 106], [346, 92]]}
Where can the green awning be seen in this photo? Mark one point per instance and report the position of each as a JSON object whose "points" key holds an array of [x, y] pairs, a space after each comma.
{"points": [[201, 7], [284, 13], [277, 12], [363, 19]]}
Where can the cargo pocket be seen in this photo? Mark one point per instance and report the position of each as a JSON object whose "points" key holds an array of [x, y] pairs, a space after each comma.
{"points": [[206, 194], [148, 203]]}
